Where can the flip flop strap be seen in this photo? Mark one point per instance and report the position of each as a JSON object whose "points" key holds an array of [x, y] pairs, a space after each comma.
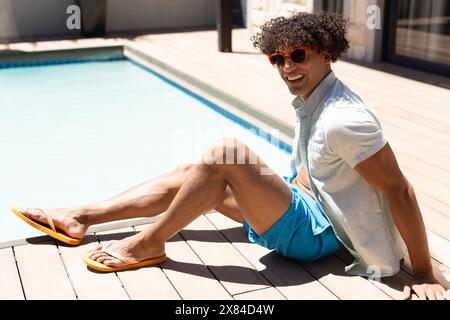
{"points": [[118, 255], [48, 217]]}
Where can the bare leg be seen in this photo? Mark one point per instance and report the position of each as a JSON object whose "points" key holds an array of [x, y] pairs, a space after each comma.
{"points": [[145, 200], [263, 199]]}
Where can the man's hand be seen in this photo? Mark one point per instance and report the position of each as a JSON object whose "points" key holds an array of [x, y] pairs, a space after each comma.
{"points": [[299, 183], [426, 288]]}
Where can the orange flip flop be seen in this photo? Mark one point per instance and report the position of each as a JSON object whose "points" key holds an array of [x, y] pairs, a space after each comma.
{"points": [[130, 263], [52, 231]]}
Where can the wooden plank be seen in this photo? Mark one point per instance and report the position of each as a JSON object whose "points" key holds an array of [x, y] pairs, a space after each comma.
{"points": [[431, 174], [435, 222], [188, 274], [392, 286], [432, 162], [435, 205], [263, 294], [417, 142], [408, 147], [330, 272], [393, 103], [406, 126], [407, 90], [435, 120], [145, 283], [441, 271], [436, 189], [439, 248], [283, 273], [10, 285], [42, 272], [235, 273], [89, 284]]}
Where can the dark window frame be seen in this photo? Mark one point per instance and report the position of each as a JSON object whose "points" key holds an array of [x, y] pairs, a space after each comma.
{"points": [[337, 6], [390, 35]]}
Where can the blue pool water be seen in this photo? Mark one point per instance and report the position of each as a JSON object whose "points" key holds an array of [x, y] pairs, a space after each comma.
{"points": [[78, 133]]}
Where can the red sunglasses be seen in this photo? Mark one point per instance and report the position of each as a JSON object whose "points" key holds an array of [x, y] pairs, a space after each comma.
{"points": [[297, 55]]}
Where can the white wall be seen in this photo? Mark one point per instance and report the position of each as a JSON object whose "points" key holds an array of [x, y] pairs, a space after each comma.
{"points": [[365, 44], [28, 19], [22, 19], [158, 14]]}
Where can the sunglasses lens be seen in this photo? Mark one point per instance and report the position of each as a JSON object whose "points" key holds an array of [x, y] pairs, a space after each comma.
{"points": [[277, 60], [298, 56]]}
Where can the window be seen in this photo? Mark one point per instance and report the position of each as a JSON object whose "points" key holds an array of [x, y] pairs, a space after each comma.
{"points": [[419, 34], [336, 6]]}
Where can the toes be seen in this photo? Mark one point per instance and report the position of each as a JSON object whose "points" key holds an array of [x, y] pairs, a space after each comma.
{"points": [[34, 214], [102, 258], [98, 255], [23, 210], [113, 262], [94, 249], [107, 260]]}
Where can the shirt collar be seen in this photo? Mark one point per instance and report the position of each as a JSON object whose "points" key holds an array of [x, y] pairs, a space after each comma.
{"points": [[304, 108]]}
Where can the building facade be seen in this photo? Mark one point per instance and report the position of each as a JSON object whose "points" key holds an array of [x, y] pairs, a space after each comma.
{"points": [[32, 20], [413, 33]]}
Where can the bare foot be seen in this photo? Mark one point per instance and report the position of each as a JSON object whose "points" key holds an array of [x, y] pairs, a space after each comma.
{"points": [[134, 247], [67, 220]]}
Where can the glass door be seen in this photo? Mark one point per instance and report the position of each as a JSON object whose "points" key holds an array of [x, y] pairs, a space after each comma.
{"points": [[418, 34]]}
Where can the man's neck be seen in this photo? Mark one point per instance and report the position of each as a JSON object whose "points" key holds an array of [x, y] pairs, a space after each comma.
{"points": [[305, 97]]}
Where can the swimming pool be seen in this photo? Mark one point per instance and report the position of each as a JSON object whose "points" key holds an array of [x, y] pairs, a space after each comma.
{"points": [[73, 134]]}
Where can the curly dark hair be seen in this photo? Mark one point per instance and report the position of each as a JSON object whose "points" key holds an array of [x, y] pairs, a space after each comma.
{"points": [[324, 31]]}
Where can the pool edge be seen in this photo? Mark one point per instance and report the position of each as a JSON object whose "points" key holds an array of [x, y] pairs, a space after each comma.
{"points": [[18, 59]]}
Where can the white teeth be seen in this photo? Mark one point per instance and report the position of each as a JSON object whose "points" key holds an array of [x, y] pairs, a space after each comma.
{"points": [[295, 77]]}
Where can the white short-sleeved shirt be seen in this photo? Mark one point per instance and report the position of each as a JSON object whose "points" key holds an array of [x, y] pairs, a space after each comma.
{"points": [[343, 133]]}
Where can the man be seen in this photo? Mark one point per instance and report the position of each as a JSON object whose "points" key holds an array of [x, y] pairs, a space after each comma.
{"points": [[346, 188]]}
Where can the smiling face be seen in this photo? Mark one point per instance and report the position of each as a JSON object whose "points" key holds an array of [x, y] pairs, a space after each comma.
{"points": [[302, 78]]}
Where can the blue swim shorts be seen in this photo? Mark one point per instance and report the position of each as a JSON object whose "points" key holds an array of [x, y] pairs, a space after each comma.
{"points": [[302, 233]]}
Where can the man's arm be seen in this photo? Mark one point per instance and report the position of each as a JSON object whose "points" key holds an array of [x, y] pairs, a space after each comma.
{"points": [[382, 172], [303, 182]]}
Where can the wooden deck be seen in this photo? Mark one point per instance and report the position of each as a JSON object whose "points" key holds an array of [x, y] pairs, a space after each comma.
{"points": [[212, 259]]}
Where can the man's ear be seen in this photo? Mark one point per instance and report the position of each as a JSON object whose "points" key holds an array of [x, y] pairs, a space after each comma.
{"points": [[327, 57]]}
